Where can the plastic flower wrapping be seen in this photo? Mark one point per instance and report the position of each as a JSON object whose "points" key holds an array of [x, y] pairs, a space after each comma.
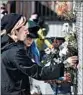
{"points": [[67, 49], [64, 8], [72, 43]]}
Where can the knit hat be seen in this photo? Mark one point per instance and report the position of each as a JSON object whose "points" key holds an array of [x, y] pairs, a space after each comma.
{"points": [[9, 21], [33, 28]]}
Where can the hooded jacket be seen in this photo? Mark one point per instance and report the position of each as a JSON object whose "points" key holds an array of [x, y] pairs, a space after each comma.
{"points": [[5, 41], [16, 66], [15, 69]]}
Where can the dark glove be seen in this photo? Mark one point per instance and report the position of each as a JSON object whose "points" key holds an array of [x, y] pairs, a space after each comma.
{"points": [[53, 71]]}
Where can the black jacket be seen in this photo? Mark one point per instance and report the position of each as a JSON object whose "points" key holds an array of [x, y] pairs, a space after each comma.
{"points": [[5, 40], [15, 69], [16, 66]]}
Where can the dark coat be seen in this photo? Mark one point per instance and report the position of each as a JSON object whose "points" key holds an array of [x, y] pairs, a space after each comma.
{"points": [[16, 66], [5, 41], [15, 69]]}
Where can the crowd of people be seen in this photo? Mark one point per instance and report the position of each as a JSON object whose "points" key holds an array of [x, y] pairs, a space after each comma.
{"points": [[20, 57]]}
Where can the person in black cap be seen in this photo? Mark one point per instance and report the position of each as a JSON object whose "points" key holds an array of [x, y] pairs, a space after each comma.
{"points": [[9, 27], [57, 42], [13, 80], [30, 40], [16, 65]]}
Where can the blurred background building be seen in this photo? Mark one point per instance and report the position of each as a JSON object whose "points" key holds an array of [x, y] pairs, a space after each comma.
{"points": [[49, 10]]}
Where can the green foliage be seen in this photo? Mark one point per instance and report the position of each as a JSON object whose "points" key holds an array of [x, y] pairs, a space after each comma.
{"points": [[72, 41]]}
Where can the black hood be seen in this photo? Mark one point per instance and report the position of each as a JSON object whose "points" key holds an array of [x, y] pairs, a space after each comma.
{"points": [[5, 41]]}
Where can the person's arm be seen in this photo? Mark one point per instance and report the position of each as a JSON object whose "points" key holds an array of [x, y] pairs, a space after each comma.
{"points": [[26, 66], [24, 63]]}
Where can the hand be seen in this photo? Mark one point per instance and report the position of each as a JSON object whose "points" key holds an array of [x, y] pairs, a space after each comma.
{"points": [[67, 77], [72, 60]]}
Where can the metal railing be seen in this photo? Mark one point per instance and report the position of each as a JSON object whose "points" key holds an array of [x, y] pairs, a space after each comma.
{"points": [[47, 9]]}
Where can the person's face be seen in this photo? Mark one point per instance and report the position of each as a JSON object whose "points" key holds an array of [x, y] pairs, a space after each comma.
{"points": [[57, 43], [28, 41], [22, 33]]}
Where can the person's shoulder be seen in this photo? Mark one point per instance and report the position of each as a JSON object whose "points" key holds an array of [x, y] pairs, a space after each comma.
{"points": [[20, 45], [15, 46]]}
